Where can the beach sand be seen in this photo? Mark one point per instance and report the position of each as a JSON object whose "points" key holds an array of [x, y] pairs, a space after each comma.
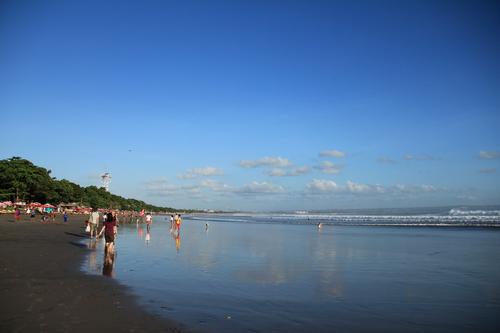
{"points": [[43, 290]]}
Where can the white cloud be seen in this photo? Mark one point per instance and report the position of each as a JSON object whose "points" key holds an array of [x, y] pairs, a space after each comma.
{"points": [[489, 155], [329, 187], [259, 188], [427, 188], [386, 160], [329, 167], [277, 172], [215, 185], [415, 189], [202, 172], [488, 170], [466, 197], [321, 186], [422, 157], [277, 162], [300, 171], [162, 187], [332, 153], [358, 188]]}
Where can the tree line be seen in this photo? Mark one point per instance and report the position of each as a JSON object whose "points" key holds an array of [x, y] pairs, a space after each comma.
{"points": [[20, 179]]}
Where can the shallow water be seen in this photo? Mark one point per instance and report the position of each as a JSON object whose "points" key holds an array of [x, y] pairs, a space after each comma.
{"points": [[276, 277]]}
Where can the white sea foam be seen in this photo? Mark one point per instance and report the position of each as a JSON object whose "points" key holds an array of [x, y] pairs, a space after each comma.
{"points": [[465, 212], [456, 217]]}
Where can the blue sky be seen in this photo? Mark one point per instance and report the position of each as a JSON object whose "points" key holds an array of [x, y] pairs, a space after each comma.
{"points": [[258, 105]]}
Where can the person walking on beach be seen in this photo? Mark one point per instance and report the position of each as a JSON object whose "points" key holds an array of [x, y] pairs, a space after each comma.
{"points": [[94, 222], [65, 216], [171, 223], [115, 217], [109, 229], [17, 214], [178, 223], [149, 220]]}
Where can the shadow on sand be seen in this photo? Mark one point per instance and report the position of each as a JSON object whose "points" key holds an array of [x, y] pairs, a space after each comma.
{"points": [[80, 245], [82, 235]]}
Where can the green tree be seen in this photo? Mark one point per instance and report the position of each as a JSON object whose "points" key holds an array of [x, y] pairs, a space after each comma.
{"points": [[21, 179]]}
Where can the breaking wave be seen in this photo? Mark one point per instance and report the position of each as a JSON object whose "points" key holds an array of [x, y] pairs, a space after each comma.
{"points": [[455, 217]]}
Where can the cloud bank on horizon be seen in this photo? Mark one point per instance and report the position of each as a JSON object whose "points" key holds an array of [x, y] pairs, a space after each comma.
{"points": [[313, 190]]}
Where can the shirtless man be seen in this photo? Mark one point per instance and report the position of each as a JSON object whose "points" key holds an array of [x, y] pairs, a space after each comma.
{"points": [[94, 222]]}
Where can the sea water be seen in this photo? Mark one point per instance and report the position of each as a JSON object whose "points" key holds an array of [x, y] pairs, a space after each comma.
{"points": [[278, 273]]}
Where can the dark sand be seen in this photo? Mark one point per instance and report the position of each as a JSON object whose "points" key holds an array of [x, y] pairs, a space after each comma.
{"points": [[43, 290]]}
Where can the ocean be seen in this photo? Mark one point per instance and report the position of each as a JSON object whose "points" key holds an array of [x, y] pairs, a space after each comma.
{"points": [[360, 272]]}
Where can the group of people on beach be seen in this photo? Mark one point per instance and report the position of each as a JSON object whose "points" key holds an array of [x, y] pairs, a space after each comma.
{"points": [[108, 228], [175, 223], [46, 215]]}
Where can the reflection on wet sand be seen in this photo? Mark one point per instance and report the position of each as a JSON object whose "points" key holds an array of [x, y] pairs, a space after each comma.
{"points": [[178, 241], [271, 275], [176, 235], [109, 261], [272, 263], [92, 243]]}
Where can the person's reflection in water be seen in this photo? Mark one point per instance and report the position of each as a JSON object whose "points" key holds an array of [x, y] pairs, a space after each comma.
{"points": [[139, 232], [178, 241], [109, 261], [93, 255], [148, 237], [176, 235]]}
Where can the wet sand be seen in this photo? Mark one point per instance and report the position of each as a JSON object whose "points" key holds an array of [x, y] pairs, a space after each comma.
{"points": [[43, 290]]}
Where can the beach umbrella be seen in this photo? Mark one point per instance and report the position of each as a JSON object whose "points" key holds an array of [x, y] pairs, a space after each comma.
{"points": [[35, 204], [48, 206], [7, 203]]}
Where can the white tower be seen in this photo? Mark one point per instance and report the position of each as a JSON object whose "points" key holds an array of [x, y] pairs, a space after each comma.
{"points": [[105, 180]]}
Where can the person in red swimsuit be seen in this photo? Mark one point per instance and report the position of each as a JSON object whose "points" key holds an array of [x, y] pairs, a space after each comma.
{"points": [[178, 222]]}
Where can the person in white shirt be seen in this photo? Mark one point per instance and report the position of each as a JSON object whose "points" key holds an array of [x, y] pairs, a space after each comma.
{"points": [[94, 222], [149, 220]]}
